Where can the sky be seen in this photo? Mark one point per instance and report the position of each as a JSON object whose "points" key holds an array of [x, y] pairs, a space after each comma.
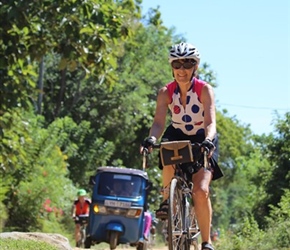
{"points": [[247, 45]]}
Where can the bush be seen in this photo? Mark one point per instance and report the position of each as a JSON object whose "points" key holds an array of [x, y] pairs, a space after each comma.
{"points": [[248, 236]]}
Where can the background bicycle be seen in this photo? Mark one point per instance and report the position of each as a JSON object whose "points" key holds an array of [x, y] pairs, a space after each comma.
{"points": [[83, 219]]}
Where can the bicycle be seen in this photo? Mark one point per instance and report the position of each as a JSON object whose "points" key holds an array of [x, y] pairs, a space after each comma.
{"points": [[83, 219], [182, 231]]}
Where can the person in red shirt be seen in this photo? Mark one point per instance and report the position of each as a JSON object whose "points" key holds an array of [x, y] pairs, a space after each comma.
{"points": [[81, 207]]}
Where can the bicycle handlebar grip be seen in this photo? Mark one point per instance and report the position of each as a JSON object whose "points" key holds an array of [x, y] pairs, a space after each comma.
{"points": [[145, 151]]}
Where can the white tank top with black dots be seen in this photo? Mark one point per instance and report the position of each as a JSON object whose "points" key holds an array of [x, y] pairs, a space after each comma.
{"points": [[191, 119]]}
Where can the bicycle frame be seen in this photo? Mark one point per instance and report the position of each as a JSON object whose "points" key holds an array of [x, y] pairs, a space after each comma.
{"points": [[83, 227]]}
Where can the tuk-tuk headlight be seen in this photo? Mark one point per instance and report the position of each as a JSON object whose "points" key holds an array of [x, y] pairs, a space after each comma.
{"points": [[134, 212], [99, 209]]}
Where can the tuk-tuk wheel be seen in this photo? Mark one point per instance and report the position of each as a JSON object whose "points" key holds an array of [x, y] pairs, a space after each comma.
{"points": [[114, 235]]}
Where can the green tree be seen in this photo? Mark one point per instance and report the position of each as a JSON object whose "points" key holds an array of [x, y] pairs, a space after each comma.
{"points": [[82, 33], [277, 151], [72, 41], [236, 153]]}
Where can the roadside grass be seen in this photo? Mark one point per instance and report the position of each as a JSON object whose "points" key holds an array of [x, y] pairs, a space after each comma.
{"points": [[8, 244], [23, 244]]}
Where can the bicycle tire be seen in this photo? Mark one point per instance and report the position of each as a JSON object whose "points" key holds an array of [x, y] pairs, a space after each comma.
{"points": [[175, 217], [88, 242], [187, 223], [84, 236]]}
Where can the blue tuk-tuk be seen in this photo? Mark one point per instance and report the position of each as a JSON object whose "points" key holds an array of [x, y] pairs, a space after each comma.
{"points": [[117, 209]]}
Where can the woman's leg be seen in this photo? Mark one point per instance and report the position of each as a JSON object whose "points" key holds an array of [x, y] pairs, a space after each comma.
{"points": [[167, 174], [77, 232], [202, 203]]}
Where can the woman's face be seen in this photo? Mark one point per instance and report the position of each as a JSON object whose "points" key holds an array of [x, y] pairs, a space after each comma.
{"points": [[82, 199], [183, 70]]}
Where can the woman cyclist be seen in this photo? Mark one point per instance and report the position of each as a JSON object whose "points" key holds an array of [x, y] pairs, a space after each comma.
{"points": [[192, 108], [81, 206]]}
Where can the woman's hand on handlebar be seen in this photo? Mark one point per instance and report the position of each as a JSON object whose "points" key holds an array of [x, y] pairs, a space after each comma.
{"points": [[207, 145], [147, 144]]}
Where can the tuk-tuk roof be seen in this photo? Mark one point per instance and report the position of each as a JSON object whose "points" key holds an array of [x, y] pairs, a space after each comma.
{"points": [[119, 170]]}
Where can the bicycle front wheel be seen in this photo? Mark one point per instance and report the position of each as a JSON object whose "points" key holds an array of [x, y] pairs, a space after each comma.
{"points": [[175, 217]]}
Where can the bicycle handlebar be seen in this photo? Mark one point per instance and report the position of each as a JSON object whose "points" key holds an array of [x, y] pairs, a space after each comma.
{"points": [[158, 145], [145, 153], [82, 215]]}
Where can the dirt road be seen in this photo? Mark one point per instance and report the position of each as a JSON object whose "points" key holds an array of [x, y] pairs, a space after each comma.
{"points": [[126, 248]]}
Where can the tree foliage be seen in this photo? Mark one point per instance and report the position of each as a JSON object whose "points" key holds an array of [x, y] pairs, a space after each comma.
{"points": [[83, 34], [79, 81], [277, 182], [33, 168]]}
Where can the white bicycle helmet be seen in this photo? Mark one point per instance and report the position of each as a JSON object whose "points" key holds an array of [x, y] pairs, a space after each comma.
{"points": [[184, 51]]}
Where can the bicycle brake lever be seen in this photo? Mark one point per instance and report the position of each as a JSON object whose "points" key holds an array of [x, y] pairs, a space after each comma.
{"points": [[205, 160], [145, 151]]}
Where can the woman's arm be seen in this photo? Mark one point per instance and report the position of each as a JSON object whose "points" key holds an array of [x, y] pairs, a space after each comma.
{"points": [[207, 99], [160, 113]]}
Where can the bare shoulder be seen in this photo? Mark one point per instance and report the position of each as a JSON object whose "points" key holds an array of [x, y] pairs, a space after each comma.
{"points": [[207, 94], [163, 90], [163, 95], [207, 87]]}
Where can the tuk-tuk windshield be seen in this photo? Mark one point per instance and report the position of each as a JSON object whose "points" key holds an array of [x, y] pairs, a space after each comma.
{"points": [[120, 185]]}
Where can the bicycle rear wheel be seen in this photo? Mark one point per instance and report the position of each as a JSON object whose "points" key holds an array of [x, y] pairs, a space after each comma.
{"points": [[175, 218]]}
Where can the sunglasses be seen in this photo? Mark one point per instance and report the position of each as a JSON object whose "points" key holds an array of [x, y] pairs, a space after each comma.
{"points": [[186, 65]]}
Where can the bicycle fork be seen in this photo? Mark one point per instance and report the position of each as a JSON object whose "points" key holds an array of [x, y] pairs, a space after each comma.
{"points": [[191, 228]]}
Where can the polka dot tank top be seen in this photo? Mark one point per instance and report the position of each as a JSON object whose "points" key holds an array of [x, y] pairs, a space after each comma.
{"points": [[191, 119]]}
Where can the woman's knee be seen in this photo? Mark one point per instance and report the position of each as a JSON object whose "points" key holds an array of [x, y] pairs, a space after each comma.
{"points": [[200, 192], [201, 181]]}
